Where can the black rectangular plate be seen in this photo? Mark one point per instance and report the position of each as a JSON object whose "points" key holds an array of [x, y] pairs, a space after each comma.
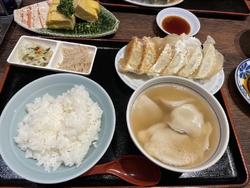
{"points": [[207, 8], [230, 170]]}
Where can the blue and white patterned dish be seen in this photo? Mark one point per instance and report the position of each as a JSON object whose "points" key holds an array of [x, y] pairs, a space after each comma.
{"points": [[134, 81], [242, 73]]}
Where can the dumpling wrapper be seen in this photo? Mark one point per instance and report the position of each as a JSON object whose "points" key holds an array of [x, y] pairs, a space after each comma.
{"points": [[147, 111], [178, 60], [175, 148], [212, 61], [174, 103], [193, 57], [162, 61], [188, 119], [166, 54], [133, 56], [193, 62], [149, 55]]}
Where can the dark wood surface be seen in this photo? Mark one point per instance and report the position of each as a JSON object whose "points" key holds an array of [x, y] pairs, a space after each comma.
{"points": [[232, 38]]}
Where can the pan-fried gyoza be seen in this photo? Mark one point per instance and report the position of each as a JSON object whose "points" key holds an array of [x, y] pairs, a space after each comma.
{"points": [[178, 55]]}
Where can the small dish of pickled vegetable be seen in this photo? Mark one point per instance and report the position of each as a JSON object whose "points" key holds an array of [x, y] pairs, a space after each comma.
{"points": [[35, 54]]}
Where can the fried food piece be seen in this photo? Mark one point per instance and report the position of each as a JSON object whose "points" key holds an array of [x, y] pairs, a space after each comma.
{"points": [[178, 60], [166, 54], [212, 62], [162, 61], [193, 57], [133, 56], [179, 55], [149, 55], [193, 63]]}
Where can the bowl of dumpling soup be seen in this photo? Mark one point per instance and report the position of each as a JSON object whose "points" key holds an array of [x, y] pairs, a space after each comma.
{"points": [[177, 124]]}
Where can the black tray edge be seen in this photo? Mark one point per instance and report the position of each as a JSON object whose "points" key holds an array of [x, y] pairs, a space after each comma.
{"points": [[4, 77], [237, 138]]}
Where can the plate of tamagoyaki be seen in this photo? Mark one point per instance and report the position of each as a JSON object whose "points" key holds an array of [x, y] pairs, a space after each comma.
{"points": [[88, 20], [87, 10], [176, 55]]}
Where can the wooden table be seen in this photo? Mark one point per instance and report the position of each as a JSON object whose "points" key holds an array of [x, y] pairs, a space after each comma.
{"points": [[232, 40]]}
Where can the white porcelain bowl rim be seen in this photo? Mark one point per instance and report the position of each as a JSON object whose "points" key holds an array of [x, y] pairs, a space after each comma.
{"points": [[222, 118]]}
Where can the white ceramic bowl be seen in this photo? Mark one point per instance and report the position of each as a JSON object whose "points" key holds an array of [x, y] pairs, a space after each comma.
{"points": [[192, 20], [210, 99], [57, 56], [15, 111]]}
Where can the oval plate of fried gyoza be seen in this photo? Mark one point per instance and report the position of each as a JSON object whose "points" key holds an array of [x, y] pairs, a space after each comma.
{"points": [[179, 55]]}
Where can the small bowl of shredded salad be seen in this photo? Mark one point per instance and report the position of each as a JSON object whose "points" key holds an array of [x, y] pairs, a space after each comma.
{"points": [[35, 54]]}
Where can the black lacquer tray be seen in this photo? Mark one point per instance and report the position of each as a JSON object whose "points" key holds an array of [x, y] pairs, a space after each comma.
{"points": [[207, 8], [230, 170]]}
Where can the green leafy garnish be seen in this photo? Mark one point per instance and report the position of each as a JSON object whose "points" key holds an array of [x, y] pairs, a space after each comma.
{"points": [[66, 7]]}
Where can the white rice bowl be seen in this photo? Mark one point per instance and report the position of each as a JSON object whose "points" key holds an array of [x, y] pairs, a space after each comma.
{"points": [[15, 111]]}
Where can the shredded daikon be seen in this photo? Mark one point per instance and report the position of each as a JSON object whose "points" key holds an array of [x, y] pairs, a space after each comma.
{"points": [[77, 59]]}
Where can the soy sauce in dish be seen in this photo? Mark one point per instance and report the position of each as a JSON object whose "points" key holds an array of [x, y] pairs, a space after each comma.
{"points": [[246, 84], [176, 24]]}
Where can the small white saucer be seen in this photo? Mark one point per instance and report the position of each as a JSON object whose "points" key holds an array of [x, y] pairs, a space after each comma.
{"points": [[185, 14]]}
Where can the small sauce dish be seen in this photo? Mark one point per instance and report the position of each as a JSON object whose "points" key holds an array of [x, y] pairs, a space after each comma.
{"points": [[242, 79], [178, 21]]}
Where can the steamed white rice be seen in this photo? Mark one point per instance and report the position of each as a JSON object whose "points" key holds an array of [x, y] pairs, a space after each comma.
{"points": [[60, 130]]}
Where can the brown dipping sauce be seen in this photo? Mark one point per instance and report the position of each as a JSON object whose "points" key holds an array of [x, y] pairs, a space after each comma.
{"points": [[176, 24], [247, 84]]}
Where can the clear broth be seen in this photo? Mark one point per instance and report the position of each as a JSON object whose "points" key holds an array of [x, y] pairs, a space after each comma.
{"points": [[175, 93]]}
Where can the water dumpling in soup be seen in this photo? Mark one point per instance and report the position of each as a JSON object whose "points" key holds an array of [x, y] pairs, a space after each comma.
{"points": [[145, 135], [175, 125], [186, 119], [147, 111], [180, 141], [175, 148]]}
